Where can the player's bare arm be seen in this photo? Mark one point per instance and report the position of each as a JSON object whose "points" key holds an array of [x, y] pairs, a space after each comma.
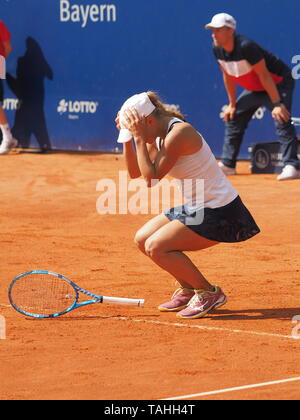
{"points": [[170, 152]]}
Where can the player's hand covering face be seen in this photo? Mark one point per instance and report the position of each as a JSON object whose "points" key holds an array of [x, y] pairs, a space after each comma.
{"points": [[136, 124]]}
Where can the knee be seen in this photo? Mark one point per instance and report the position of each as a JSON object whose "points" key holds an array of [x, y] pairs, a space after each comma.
{"points": [[140, 240], [153, 249]]}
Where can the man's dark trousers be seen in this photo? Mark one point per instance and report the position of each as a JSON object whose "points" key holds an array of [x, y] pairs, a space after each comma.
{"points": [[247, 104]]}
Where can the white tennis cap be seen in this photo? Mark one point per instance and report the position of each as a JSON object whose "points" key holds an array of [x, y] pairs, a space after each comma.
{"points": [[142, 103], [220, 20]]}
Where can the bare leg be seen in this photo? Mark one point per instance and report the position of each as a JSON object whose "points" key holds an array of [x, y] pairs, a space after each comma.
{"points": [[148, 230], [165, 247]]}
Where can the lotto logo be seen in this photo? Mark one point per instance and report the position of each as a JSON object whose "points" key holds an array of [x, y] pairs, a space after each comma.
{"points": [[11, 104], [62, 107], [77, 107]]}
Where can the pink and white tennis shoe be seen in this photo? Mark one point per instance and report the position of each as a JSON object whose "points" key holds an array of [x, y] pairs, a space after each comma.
{"points": [[203, 302], [179, 301]]}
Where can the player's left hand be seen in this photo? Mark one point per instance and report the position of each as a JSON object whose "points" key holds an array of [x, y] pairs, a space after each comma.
{"points": [[281, 114]]}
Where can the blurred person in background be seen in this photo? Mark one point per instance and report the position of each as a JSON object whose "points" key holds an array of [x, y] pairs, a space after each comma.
{"points": [[8, 142]]}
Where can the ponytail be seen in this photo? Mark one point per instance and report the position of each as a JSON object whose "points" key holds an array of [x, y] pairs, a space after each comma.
{"points": [[163, 109]]}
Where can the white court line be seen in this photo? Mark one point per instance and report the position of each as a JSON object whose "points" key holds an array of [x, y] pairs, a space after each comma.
{"points": [[199, 327], [205, 328], [5, 306], [238, 388]]}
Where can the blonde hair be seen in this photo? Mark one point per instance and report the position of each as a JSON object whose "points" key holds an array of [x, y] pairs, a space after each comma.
{"points": [[163, 109]]}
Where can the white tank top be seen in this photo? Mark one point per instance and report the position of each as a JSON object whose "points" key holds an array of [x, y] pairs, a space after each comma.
{"points": [[200, 179]]}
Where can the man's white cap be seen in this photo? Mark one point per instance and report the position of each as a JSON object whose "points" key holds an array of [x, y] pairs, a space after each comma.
{"points": [[142, 103], [220, 20]]}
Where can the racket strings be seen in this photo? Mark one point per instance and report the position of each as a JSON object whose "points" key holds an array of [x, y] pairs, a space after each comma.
{"points": [[43, 294]]}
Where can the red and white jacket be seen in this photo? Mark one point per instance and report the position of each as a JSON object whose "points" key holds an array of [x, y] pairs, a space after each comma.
{"points": [[238, 63]]}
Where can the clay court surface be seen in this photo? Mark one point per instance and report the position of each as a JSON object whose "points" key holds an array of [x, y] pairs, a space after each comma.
{"points": [[49, 221]]}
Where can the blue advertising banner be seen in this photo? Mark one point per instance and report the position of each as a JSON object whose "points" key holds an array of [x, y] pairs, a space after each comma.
{"points": [[266, 158], [74, 62]]}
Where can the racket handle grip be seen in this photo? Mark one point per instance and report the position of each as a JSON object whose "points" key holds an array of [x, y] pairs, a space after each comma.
{"points": [[123, 301]]}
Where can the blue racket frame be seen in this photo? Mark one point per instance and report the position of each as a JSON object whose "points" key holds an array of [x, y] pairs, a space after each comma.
{"points": [[75, 305]]}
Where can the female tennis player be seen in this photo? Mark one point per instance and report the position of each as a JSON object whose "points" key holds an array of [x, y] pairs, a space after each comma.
{"points": [[164, 144]]}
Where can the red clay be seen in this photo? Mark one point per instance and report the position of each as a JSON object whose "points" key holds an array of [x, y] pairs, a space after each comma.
{"points": [[49, 221]]}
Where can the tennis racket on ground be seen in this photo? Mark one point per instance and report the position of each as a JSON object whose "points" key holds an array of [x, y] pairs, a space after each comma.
{"points": [[44, 294]]}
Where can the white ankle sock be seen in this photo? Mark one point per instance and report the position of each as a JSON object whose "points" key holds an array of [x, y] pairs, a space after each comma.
{"points": [[6, 133]]}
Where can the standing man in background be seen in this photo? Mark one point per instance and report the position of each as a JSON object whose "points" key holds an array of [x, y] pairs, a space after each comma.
{"points": [[8, 142], [267, 81]]}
